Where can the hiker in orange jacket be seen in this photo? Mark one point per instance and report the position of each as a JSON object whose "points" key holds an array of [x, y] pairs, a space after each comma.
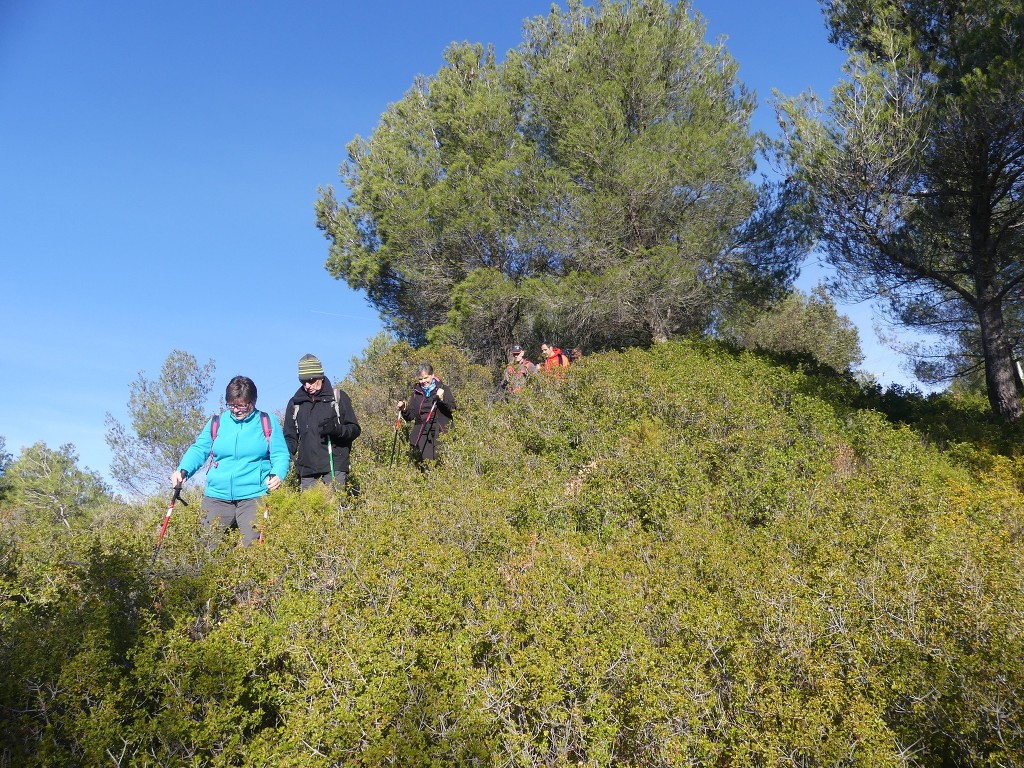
{"points": [[554, 358]]}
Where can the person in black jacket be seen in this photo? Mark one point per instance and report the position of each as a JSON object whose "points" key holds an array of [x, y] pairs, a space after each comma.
{"points": [[319, 427], [429, 408]]}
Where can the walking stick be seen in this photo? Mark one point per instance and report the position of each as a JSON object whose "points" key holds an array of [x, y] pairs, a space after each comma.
{"points": [[394, 443], [430, 417], [167, 519], [266, 518], [265, 504]]}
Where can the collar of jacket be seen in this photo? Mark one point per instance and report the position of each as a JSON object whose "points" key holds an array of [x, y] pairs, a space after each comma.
{"points": [[252, 415], [326, 393], [430, 388]]}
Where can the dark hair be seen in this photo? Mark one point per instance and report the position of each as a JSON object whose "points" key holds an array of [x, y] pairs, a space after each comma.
{"points": [[240, 388], [425, 368]]}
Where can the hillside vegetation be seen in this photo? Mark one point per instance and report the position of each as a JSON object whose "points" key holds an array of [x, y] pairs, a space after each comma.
{"points": [[680, 556]]}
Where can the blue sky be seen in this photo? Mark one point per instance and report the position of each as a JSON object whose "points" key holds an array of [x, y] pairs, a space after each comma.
{"points": [[158, 168]]}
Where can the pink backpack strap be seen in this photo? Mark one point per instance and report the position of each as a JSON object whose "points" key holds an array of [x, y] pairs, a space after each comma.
{"points": [[265, 421], [214, 426]]}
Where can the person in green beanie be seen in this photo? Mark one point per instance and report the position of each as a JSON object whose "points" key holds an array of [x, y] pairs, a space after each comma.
{"points": [[319, 427]]}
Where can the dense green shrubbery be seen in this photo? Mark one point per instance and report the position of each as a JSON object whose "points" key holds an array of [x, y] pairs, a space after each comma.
{"points": [[682, 556], [944, 418]]}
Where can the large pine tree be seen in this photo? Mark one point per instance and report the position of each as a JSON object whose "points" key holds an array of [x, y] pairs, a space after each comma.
{"points": [[915, 173], [596, 181]]}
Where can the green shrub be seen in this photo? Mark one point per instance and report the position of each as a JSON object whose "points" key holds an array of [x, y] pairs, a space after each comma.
{"points": [[684, 556]]}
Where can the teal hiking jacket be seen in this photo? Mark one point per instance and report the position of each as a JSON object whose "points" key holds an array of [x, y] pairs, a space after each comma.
{"points": [[242, 460]]}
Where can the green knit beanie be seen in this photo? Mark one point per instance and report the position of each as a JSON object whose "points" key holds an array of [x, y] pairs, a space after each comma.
{"points": [[310, 368]]}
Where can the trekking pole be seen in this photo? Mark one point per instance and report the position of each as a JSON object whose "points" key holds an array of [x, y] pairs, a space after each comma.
{"points": [[430, 417], [330, 456], [394, 443], [266, 518], [167, 519]]}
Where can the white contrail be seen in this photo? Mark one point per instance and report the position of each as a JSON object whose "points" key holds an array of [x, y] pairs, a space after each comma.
{"points": [[335, 314]]}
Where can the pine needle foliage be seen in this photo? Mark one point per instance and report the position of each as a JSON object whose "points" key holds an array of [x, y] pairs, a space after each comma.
{"points": [[684, 556]]}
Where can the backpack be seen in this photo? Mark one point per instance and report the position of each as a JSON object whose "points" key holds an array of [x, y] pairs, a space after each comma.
{"points": [[563, 360], [215, 425]]}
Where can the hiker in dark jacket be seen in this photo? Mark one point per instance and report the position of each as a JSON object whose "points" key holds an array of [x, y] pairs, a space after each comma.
{"points": [[319, 427], [429, 408]]}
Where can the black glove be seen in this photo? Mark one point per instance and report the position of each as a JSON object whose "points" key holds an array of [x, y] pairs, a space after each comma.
{"points": [[328, 425]]}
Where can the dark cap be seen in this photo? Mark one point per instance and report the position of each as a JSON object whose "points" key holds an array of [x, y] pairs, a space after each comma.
{"points": [[516, 349]]}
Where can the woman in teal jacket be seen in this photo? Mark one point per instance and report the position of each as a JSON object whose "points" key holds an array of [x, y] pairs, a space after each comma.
{"points": [[248, 456]]}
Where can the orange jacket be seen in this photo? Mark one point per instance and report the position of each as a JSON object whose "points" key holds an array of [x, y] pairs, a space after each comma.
{"points": [[557, 360]]}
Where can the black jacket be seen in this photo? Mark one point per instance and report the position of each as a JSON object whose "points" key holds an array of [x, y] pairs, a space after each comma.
{"points": [[310, 423], [430, 416]]}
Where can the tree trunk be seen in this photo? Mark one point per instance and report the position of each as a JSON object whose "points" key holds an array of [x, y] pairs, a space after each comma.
{"points": [[1001, 377], [659, 324]]}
